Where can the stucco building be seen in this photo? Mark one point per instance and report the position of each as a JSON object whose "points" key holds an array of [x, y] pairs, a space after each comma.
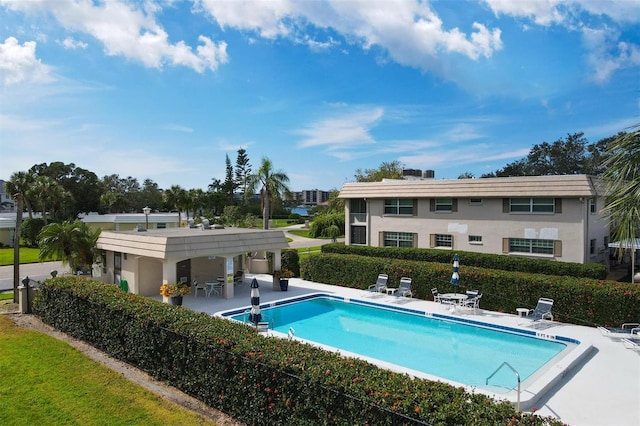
{"points": [[552, 217]]}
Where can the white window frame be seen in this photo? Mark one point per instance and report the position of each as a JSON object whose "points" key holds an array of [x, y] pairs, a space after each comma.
{"points": [[475, 239], [528, 205], [444, 205], [400, 238], [400, 206], [534, 246], [443, 240]]}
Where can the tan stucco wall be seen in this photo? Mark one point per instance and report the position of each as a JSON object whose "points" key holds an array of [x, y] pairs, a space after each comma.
{"points": [[149, 277], [6, 237], [489, 222]]}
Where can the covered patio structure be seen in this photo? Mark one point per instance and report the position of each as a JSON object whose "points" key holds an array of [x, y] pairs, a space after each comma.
{"points": [[146, 259]]}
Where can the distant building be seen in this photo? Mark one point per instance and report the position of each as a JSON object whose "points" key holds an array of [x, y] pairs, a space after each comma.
{"points": [[130, 221], [312, 197], [6, 202]]}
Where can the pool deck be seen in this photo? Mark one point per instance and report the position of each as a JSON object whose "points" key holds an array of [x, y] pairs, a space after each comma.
{"points": [[602, 388]]}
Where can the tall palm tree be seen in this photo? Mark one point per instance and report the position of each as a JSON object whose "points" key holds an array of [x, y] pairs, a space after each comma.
{"points": [[71, 241], [622, 178], [272, 184], [175, 198], [21, 183]]}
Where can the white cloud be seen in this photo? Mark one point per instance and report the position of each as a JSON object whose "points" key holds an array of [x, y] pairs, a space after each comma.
{"points": [[125, 30], [71, 43], [409, 31], [342, 131], [178, 128], [607, 54], [18, 63]]}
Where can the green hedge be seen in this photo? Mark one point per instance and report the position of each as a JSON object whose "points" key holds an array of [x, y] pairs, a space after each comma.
{"points": [[580, 301], [482, 260], [255, 379]]}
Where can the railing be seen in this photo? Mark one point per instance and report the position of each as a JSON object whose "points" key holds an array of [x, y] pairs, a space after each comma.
{"points": [[517, 376], [358, 217]]}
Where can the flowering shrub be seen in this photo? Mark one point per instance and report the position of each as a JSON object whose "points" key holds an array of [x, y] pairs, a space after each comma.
{"points": [[172, 290]]}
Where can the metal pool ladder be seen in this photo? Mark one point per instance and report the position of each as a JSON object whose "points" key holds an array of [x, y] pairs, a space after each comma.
{"points": [[517, 376]]}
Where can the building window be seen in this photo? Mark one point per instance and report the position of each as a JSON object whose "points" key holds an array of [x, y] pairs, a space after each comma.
{"points": [[161, 225], [444, 204], [359, 235], [531, 205], [475, 201], [443, 240], [592, 246], [533, 246], [592, 205], [399, 206], [398, 239], [475, 239]]}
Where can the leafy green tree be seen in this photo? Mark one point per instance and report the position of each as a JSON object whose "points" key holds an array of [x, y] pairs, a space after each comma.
{"points": [[322, 223], [71, 241], [622, 177], [335, 204], [150, 196], [272, 185], [243, 169], [229, 184], [47, 192], [30, 230], [390, 170], [572, 155]]}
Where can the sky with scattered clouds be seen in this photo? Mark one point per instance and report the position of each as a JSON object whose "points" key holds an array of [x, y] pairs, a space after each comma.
{"points": [[166, 89]]}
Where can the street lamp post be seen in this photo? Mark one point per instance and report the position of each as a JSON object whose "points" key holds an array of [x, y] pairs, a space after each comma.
{"points": [[146, 212]]}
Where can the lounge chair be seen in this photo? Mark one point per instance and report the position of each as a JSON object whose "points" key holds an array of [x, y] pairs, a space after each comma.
{"points": [[380, 285], [631, 344], [405, 288], [542, 310], [628, 330]]}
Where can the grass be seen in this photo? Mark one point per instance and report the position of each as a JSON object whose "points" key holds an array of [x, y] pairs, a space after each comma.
{"points": [[7, 295], [27, 255], [46, 381]]}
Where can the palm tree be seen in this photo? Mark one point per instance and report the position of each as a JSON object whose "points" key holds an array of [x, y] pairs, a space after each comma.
{"points": [[175, 198], [71, 241], [272, 185], [622, 177], [21, 183]]}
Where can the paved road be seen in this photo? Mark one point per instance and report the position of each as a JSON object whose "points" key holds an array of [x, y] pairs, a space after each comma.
{"points": [[36, 271]]}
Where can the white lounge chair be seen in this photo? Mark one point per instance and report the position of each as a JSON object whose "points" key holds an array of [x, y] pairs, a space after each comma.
{"points": [[381, 284], [628, 330], [542, 310], [473, 300], [631, 344], [405, 288]]}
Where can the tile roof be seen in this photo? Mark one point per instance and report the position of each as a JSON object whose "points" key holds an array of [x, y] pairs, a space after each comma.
{"points": [[563, 186]]}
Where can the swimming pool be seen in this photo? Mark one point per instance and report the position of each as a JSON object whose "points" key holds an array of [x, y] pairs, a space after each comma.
{"points": [[434, 346]]}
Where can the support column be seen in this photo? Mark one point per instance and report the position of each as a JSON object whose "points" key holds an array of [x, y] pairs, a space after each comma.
{"points": [[277, 265], [228, 277], [169, 271]]}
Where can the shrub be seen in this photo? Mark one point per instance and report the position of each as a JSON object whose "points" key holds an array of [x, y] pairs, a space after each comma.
{"points": [[257, 380], [482, 260], [583, 301]]}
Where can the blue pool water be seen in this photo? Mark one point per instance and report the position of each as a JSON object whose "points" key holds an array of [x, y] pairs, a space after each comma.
{"points": [[462, 353]]}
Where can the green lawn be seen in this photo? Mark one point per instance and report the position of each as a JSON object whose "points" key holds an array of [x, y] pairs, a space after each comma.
{"points": [[27, 255], [45, 381]]}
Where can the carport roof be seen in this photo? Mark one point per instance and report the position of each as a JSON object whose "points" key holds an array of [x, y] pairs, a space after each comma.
{"points": [[191, 242]]}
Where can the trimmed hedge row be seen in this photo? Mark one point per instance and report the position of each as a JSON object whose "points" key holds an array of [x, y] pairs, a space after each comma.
{"points": [[255, 379], [579, 301], [482, 260]]}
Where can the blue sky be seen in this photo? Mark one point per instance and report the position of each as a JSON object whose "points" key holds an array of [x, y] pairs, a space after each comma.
{"points": [[165, 89]]}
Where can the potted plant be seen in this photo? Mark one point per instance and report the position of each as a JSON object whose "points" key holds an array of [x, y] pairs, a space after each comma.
{"points": [[172, 293], [283, 276]]}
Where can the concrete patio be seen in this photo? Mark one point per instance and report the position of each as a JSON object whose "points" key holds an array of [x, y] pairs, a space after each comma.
{"points": [[602, 389]]}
